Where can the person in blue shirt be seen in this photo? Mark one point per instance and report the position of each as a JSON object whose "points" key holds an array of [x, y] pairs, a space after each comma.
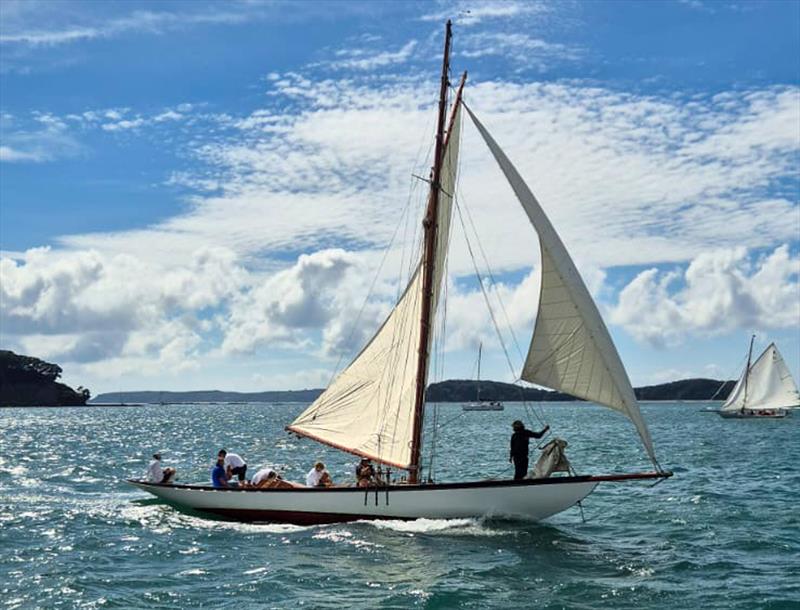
{"points": [[218, 476]]}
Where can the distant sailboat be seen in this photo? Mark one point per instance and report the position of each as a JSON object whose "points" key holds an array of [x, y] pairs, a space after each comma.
{"points": [[375, 407], [482, 405], [765, 389]]}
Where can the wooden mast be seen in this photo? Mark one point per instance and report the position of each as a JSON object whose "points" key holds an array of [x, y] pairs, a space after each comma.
{"points": [[747, 372], [428, 256]]}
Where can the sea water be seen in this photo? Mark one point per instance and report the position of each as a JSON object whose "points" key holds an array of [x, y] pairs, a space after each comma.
{"points": [[724, 532]]}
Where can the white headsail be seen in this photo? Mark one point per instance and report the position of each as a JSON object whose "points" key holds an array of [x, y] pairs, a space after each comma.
{"points": [[369, 408], [769, 385], [571, 350]]}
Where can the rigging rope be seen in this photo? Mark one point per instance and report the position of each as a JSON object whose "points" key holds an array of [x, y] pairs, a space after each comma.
{"points": [[722, 385], [528, 410]]}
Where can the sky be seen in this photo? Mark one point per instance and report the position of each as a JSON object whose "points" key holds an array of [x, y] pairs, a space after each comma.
{"points": [[226, 195]]}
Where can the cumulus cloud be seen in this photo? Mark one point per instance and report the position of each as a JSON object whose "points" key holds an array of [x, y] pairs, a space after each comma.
{"points": [[718, 292], [85, 306], [322, 292]]}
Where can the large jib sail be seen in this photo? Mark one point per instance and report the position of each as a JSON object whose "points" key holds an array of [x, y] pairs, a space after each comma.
{"points": [[368, 410], [571, 350], [769, 385]]}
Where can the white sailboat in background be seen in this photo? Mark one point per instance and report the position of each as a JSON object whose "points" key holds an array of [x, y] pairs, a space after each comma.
{"points": [[375, 407], [482, 405], [765, 389]]}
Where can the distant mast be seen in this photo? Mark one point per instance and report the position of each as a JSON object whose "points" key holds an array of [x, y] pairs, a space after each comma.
{"points": [[480, 349], [430, 226], [747, 372]]}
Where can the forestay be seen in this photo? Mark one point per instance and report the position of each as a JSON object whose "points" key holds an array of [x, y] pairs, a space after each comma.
{"points": [[369, 408], [571, 350], [769, 385]]}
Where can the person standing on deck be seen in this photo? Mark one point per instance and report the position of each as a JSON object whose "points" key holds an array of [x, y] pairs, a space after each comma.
{"points": [[519, 448]]}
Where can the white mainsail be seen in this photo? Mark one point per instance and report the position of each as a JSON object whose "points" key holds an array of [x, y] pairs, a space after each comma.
{"points": [[369, 408], [769, 385], [571, 350]]}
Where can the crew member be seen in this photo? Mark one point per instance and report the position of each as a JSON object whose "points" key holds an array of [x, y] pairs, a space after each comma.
{"points": [[234, 465], [519, 448], [156, 474]]}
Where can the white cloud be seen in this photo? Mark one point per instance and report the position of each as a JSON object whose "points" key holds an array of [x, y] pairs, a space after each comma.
{"points": [[320, 292], [12, 156], [45, 139], [626, 179], [471, 12], [718, 292], [365, 59], [523, 49], [85, 306], [23, 31]]}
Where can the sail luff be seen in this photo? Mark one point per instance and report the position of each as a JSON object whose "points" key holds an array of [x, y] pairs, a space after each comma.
{"points": [[569, 331], [428, 261], [747, 370]]}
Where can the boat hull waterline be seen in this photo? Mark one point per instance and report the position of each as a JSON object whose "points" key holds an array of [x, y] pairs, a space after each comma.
{"points": [[483, 407], [529, 499], [755, 414]]}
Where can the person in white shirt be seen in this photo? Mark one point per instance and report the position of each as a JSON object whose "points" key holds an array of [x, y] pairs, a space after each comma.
{"points": [[234, 465], [156, 474], [267, 478], [264, 477], [318, 476]]}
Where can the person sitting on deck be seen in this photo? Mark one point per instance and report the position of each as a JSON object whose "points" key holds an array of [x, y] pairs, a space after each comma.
{"points": [[316, 475], [234, 465], [519, 448], [156, 474], [325, 480], [365, 474], [267, 478], [219, 477]]}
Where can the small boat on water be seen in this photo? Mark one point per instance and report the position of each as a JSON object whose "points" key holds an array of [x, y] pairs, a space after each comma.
{"points": [[764, 390], [375, 407], [482, 405]]}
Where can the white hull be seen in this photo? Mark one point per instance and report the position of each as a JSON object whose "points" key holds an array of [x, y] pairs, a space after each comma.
{"points": [[755, 414], [528, 499], [483, 406]]}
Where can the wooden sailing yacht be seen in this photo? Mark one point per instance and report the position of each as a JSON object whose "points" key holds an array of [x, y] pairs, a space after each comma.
{"points": [[765, 389], [375, 407], [482, 405]]}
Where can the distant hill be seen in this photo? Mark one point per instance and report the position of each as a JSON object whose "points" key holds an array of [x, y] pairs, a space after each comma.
{"points": [[26, 381], [156, 397], [686, 389], [454, 390], [467, 390]]}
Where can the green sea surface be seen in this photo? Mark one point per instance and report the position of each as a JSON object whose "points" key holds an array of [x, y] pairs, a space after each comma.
{"points": [[724, 532]]}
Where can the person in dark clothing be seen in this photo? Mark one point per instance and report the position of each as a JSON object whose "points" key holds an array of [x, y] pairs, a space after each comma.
{"points": [[519, 448]]}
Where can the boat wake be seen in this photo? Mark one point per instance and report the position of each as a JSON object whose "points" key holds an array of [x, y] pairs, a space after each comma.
{"points": [[471, 527]]}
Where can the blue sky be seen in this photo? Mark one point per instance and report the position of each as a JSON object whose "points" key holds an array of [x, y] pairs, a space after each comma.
{"points": [[197, 195]]}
